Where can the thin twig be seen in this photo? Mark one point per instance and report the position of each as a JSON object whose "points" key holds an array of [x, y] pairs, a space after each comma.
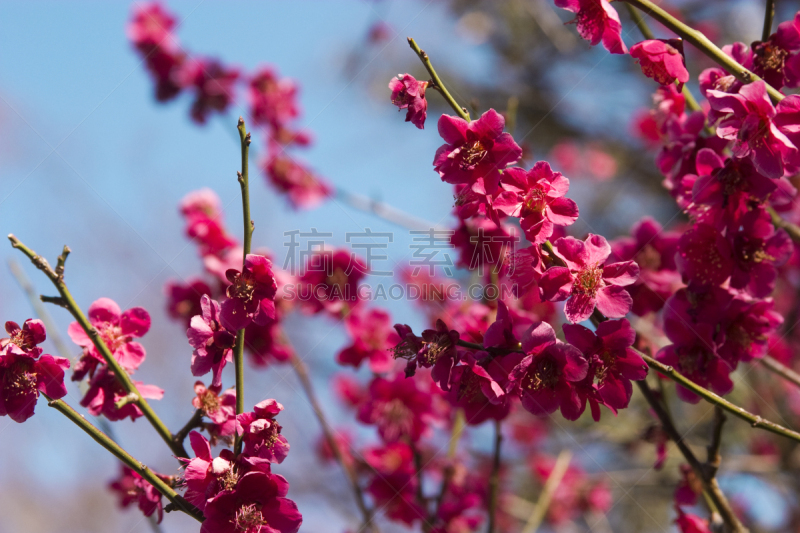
{"points": [[709, 483], [769, 14], [779, 368], [780, 222], [436, 82], [714, 459], [151, 477], [494, 477], [550, 486]]}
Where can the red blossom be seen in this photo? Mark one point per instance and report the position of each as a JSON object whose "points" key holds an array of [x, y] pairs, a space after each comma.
{"points": [[597, 21], [408, 93], [251, 294], [662, 60]]}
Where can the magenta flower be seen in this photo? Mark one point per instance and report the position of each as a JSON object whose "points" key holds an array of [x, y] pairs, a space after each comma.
{"points": [[787, 118], [303, 187], [151, 25], [408, 93], [261, 433], [266, 344], [586, 281], [746, 329], [183, 299], [546, 378], [373, 340], [758, 249], [481, 242], [479, 387], [330, 281], [150, 31], [133, 488], [537, 198], [116, 329], [394, 484], [691, 523], [273, 100], [436, 349], [597, 21], [202, 212], [612, 363], [525, 268], [251, 294], [776, 59], [704, 256], [398, 407], [662, 60], [256, 504], [105, 391], [24, 340], [23, 377], [220, 408], [653, 249], [747, 119], [475, 150], [212, 343], [214, 87]]}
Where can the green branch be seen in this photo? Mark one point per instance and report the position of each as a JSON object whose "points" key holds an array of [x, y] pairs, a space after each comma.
{"points": [[66, 300], [436, 81]]}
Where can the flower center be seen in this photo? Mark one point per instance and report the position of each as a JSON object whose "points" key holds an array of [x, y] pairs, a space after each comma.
{"points": [[395, 418], [588, 280], [648, 258], [229, 479], [535, 202], [769, 56], [243, 288], [472, 154], [249, 519], [434, 349], [209, 402], [337, 280], [470, 388], [590, 19], [605, 366], [543, 374]]}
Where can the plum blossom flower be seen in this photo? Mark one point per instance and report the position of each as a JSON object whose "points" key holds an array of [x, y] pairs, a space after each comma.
{"points": [[704, 256], [220, 408], [117, 330], [212, 343], [373, 340], [330, 281], [746, 330], [408, 93], [436, 349], [481, 242], [537, 198], [256, 504], [213, 84], [24, 372], [266, 344], [273, 99], [394, 484], [758, 248], [654, 251], [545, 379], [586, 281], [597, 21], [183, 299], [150, 31], [202, 211], [747, 119], [776, 60], [612, 362], [105, 391], [691, 523], [478, 386], [399, 408], [662, 60], [261, 433], [23, 340], [304, 188], [251, 294], [133, 488], [475, 150]]}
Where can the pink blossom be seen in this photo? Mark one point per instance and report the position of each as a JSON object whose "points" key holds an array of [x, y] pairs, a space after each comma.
{"points": [[261, 433], [704, 256], [690, 523], [395, 482], [251, 294], [343, 440], [776, 60], [758, 249], [524, 269], [545, 379], [408, 93], [304, 188], [436, 349], [575, 495], [746, 328], [256, 504], [212, 343], [220, 408], [266, 344], [24, 340], [373, 339], [273, 99], [478, 386], [747, 119], [688, 488], [612, 363], [653, 249], [132, 488], [330, 281], [475, 150], [24, 376], [202, 211], [481, 242], [662, 60], [150, 31], [183, 299], [398, 407], [597, 21], [586, 281], [105, 391], [214, 87], [151, 25], [537, 198], [116, 329]]}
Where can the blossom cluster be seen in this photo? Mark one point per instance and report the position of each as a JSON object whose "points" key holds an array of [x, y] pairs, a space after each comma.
{"points": [[272, 100]]}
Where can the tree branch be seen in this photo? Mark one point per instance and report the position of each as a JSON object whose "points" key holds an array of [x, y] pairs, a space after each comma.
{"points": [[436, 82], [494, 478]]}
